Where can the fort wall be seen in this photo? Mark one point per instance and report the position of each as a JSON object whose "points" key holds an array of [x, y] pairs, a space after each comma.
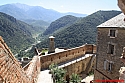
{"points": [[82, 66], [66, 55]]}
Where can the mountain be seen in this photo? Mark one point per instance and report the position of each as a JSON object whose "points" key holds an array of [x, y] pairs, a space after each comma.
{"points": [[75, 14], [23, 12], [15, 33], [62, 22], [82, 31], [40, 25]]}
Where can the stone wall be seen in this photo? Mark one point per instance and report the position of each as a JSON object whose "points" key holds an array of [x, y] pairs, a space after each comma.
{"points": [[12, 72], [66, 55], [82, 66], [102, 53]]}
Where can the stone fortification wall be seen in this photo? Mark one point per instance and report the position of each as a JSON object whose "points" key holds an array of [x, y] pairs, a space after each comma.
{"points": [[81, 65], [66, 55], [11, 70]]}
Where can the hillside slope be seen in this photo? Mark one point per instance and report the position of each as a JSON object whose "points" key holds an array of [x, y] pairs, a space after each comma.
{"points": [[16, 34], [82, 31], [39, 25], [62, 22]]}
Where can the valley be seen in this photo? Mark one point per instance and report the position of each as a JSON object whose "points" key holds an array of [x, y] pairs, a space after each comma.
{"points": [[69, 31]]}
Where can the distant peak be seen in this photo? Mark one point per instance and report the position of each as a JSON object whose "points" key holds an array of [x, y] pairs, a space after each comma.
{"points": [[22, 6]]}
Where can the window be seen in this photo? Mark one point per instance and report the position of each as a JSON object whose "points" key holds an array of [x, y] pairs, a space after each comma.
{"points": [[108, 65], [111, 49], [112, 33]]}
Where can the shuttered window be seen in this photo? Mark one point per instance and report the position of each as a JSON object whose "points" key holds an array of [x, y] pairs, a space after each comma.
{"points": [[108, 65]]}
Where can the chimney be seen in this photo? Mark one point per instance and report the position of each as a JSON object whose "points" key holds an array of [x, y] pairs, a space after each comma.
{"points": [[51, 45]]}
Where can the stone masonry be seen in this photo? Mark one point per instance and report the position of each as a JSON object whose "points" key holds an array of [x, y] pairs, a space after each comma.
{"points": [[66, 55], [110, 43], [12, 72]]}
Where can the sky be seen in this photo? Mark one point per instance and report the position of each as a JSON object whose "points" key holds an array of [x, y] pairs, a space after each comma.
{"points": [[76, 6]]}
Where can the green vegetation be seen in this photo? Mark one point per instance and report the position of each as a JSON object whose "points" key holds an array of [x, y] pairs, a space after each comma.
{"points": [[60, 23], [90, 73], [75, 78], [59, 73], [84, 30], [15, 33], [40, 26], [44, 50]]}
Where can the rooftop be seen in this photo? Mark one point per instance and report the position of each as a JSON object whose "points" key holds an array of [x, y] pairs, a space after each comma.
{"points": [[51, 37], [115, 22]]}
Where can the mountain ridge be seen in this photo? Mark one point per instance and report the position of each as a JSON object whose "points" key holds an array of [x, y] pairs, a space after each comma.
{"points": [[82, 31], [15, 33], [23, 11], [62, 22]]}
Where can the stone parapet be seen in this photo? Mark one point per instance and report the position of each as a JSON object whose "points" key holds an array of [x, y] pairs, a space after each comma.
{"points": [[66, 55]]}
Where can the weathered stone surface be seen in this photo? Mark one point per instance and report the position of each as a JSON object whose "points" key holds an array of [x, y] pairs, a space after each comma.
{"points": [[12, 72], [66, 55], [102, 53]]}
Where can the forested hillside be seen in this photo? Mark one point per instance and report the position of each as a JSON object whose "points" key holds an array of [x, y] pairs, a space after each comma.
{"points": [[62, 22], [40, 25], [15, 33], [81, 32]]}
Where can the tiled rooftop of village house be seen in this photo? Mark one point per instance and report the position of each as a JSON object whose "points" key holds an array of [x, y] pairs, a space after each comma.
{"points": [[115, 22]]}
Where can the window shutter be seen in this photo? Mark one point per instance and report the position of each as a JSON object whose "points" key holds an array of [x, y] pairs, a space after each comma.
{"points": [[116, 33], [105, 65], [109, 33], [108, 49], [113, 66]]}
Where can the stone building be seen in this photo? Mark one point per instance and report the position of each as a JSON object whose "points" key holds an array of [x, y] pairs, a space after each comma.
{"points": [[110, 43]]}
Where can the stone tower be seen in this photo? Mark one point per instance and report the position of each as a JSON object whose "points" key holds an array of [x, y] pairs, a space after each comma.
{"points": [[51, 45]]}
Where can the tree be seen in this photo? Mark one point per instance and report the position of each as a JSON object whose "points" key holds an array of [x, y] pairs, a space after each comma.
{"points": [[57, 73], [75, 78]]}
